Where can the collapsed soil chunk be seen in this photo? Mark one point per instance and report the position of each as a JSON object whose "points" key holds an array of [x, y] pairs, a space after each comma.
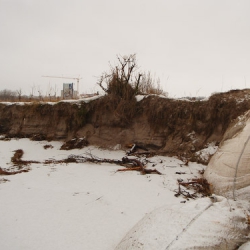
{"points": [[16, 158], [75, 143], [47, 146]]}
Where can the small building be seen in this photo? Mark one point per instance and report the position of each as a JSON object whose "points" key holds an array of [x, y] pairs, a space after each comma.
{"points": [[68, 91]]}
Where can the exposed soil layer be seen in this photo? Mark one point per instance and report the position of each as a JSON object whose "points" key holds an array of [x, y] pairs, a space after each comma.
{"points": [[169, 126]]}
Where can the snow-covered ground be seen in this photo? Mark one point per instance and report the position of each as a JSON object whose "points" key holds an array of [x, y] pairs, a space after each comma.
{"points": [[85, 205]]}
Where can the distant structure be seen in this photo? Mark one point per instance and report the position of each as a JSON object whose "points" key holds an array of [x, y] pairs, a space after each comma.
{"points": [[68, 91]]}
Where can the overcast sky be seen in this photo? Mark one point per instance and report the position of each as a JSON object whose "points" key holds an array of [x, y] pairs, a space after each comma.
{"points": [[195, 47]]}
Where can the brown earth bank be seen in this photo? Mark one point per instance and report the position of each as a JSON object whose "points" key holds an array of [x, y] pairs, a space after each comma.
{"points": [[178, 127]]}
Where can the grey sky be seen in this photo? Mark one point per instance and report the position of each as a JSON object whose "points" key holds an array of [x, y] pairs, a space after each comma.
{"points": [[195, 47]]}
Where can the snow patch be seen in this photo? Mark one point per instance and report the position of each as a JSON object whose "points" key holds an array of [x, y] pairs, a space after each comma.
{"points": [[139, 98], [206, 153], [92, 206], [200, 224]]}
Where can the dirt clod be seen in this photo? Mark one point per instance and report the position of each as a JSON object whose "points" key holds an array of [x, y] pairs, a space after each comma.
{"points": [[74, 143]]}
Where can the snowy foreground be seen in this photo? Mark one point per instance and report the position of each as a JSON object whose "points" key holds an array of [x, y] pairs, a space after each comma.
{"points": [[92, 206]]}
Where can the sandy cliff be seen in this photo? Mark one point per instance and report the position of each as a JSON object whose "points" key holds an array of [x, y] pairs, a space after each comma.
{"points": [[173, 127]]}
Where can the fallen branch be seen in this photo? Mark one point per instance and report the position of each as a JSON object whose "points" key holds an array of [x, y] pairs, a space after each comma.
{"points": [[129, 164], [129, 169], [135, 147], [4, 172], [180, 172], [16, 159], [139, 167], [199, 185], [150, 171]]}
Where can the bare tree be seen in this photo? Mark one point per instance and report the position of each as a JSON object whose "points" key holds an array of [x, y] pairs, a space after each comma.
{"points": [[7, 95], [123, 80], [55, 91], [33, 89], [49, 91], [40, 93], [19, 93]]}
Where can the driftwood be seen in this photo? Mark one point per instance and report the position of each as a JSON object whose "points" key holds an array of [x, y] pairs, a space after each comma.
{"points": [[5, 172], [16, 159], [18, 163], [178, 172], [198, 185], [82, 159], [129, 164], [143, 171], [135, 147], [139, 167]]}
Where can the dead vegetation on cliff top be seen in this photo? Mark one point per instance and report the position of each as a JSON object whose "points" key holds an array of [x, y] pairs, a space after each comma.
{"points": [[201, 116]]}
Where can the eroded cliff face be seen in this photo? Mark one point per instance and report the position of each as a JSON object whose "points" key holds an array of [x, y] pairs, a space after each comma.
{"points": [[50, 121], [172, 127]]}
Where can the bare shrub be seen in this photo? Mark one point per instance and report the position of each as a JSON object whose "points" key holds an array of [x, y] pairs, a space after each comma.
{"points": [[126, 81], [19, 93], [7, 95], [122, 80], [149, 86]]}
